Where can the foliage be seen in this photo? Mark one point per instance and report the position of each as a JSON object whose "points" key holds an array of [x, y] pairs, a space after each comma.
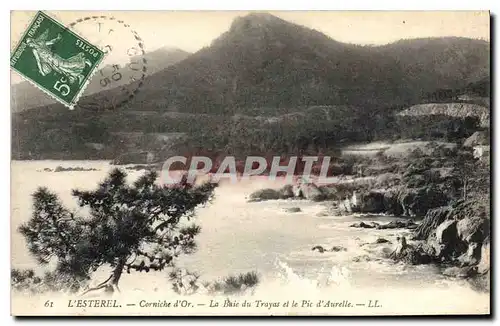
{"points": [[454, 171], [26, 281], [234, 284], [141, 227], [185, 282]]}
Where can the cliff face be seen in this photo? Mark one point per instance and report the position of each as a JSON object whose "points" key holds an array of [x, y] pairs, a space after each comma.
{"points": [[458, 235], [457, 110]]}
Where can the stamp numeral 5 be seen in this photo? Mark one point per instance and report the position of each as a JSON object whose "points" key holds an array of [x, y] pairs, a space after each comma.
{"points": [[61, 87]]}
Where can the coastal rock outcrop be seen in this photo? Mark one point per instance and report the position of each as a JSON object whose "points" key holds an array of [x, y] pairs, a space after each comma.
{"points": [[292, 210], [332, 192], [318, 248], [370, 225], [472, 229], [409, 253], [471, 256], [473, 232], [411, 202], [432, 219], [309, 191], [303, 191], [264, 194], [370, 202], [400, 224], [445, 241], [417, 201], [322, 249], [286, 192], [337, 249], [459, 236], [392, 206]]}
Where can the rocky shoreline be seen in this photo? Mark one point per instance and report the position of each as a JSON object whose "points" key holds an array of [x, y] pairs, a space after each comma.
{"points": [[455, 236]]}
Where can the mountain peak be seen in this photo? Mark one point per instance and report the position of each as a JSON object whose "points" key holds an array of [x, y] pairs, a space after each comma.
{"points": [[168, 49], [255, 20]]}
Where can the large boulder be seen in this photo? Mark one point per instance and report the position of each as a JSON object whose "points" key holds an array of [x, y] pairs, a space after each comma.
{"points": [[417, 201], [446, 232], [445, 241], [331, 192], [292, 210], [371, 202], [286, 192], [265, 194], [309, 191], [365, 202], [472, 229], [456, 233], [432, 219], [409, 253], [391, 204], [471, 256], [318, 248]]}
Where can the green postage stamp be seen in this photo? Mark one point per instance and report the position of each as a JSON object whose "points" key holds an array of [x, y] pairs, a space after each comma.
{"points": [[55, 59]]}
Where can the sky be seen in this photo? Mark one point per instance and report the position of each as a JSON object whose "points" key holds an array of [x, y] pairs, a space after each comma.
{"points": [[194, 30]]}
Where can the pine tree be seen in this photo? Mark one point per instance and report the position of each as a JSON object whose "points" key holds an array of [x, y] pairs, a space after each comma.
{"points": [[138, 227], [465, 167]]}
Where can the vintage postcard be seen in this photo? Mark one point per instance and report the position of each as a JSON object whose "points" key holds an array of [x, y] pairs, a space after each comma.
{"points": [[284, 163]]}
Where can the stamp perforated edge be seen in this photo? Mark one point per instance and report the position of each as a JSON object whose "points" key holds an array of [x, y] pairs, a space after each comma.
{"points": [[77, 96]]}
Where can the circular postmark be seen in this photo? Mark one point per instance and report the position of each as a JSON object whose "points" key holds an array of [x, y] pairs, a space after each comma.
{"points": [[122, 72]]}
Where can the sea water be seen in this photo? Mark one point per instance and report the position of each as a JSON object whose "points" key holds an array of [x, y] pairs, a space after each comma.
{"points": [[239, 236]]}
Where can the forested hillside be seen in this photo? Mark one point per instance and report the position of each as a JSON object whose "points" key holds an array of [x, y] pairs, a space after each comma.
{"points": [[267, 84]]}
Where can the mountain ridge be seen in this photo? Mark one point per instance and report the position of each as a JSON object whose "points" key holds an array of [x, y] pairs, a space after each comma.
{"points": [[25, 96], [245, 67], [248, 57], [266, 66]]}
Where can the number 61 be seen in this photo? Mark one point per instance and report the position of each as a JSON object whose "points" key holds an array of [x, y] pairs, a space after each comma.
{"points": [[61, 87]]}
